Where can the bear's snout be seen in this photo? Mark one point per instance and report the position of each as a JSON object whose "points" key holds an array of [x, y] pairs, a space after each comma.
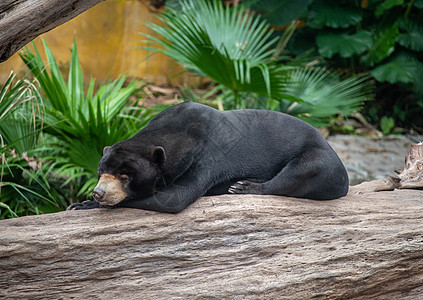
{"points": [[98, 194], [109, 190]]}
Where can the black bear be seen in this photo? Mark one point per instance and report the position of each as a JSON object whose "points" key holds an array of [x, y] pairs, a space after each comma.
{"points": [[191, 150]]}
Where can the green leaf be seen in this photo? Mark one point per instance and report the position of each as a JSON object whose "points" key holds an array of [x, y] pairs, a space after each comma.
{"points": [[344, 44], [279, 12], [387, 124], [325, 95], [20, 102], [10, 96], [225, 43], [412, 38], [383, 45], [75, 82], [418, 3], [326, 13], [54, 85], [398, 70], [10, 211], [386, 5]]}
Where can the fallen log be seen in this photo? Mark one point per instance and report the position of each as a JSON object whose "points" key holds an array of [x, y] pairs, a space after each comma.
{"points": [[410, 177], [364, 245], [23, 20]]}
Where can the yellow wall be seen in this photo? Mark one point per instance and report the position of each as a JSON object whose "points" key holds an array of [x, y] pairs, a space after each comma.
{"points": [[108, 37]]}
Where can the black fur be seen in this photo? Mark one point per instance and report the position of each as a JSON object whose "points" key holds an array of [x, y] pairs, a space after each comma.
{"points": [[191, 150]]}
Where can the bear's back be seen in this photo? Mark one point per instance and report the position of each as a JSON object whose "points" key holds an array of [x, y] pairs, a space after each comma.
{"points": [[183, 115]]}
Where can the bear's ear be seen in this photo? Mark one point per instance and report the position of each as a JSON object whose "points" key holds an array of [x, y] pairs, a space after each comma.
{"points": [[158, 155], [105, 149]]}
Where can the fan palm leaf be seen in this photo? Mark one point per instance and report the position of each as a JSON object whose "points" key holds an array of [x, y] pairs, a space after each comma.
{"points": [[235, 48], [323, 95], [230, 45]]}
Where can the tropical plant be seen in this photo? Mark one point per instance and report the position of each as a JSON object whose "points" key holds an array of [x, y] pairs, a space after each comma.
{"points": [[81, 123], [239, 58], [52, 140], [23, 186], [385, 35], [325, 95], [19, 103], [379, 37], [239, 50], [383, 38]]}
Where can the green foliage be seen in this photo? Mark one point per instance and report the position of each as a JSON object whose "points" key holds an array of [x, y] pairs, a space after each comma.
{"points": [[81, 123], [239, 51], [224, 44], [279, 12], [23, 186], [411, 35], [325, 13], [383, 38], [376, 41], [346, 45], [52, 138], [387, 124], [325, 95], [382, 45], [10, 95], [397, 70], [27, 188], [387, 5], [19, 102]]}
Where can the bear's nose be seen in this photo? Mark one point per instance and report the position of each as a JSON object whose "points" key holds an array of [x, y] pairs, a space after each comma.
{"points": [[99, 193]]}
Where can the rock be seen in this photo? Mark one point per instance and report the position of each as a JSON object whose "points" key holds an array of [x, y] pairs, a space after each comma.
{"points": [[365, 245]]}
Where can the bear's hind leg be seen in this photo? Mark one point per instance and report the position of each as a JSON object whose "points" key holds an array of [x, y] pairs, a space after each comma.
{"points": [[313, 175]]}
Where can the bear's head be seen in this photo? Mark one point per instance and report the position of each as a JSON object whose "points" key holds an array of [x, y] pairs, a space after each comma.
{"points": [[126, 172]]}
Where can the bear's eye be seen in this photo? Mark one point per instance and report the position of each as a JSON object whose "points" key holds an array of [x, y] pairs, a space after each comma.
{"points": [[123, 178]]}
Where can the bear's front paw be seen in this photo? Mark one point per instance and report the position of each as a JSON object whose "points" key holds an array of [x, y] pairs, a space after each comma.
{"points": [[246, 187], [88, 204]]}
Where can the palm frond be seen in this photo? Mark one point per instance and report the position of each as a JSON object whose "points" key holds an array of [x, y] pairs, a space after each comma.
{"points": [[19, 104], [324, 94], [230, 45], [80, 122]]}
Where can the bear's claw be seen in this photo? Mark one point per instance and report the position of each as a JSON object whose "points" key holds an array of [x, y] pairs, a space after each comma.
{"points": [[88, 204], [245, 187]]}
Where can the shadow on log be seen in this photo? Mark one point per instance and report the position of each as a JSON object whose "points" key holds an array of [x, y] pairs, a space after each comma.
{"points": [[238, 247]]}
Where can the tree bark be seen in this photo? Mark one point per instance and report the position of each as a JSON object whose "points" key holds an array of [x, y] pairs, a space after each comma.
{"points": [[410, 177], [23, 20], [362, 246]]}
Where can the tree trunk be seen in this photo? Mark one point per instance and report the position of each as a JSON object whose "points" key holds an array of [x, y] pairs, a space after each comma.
{"points": [[365, 245], [23, 20]]}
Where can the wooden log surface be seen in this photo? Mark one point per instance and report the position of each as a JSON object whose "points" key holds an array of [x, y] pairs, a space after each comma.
{"points": [[365, 245], [23, 20]]}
